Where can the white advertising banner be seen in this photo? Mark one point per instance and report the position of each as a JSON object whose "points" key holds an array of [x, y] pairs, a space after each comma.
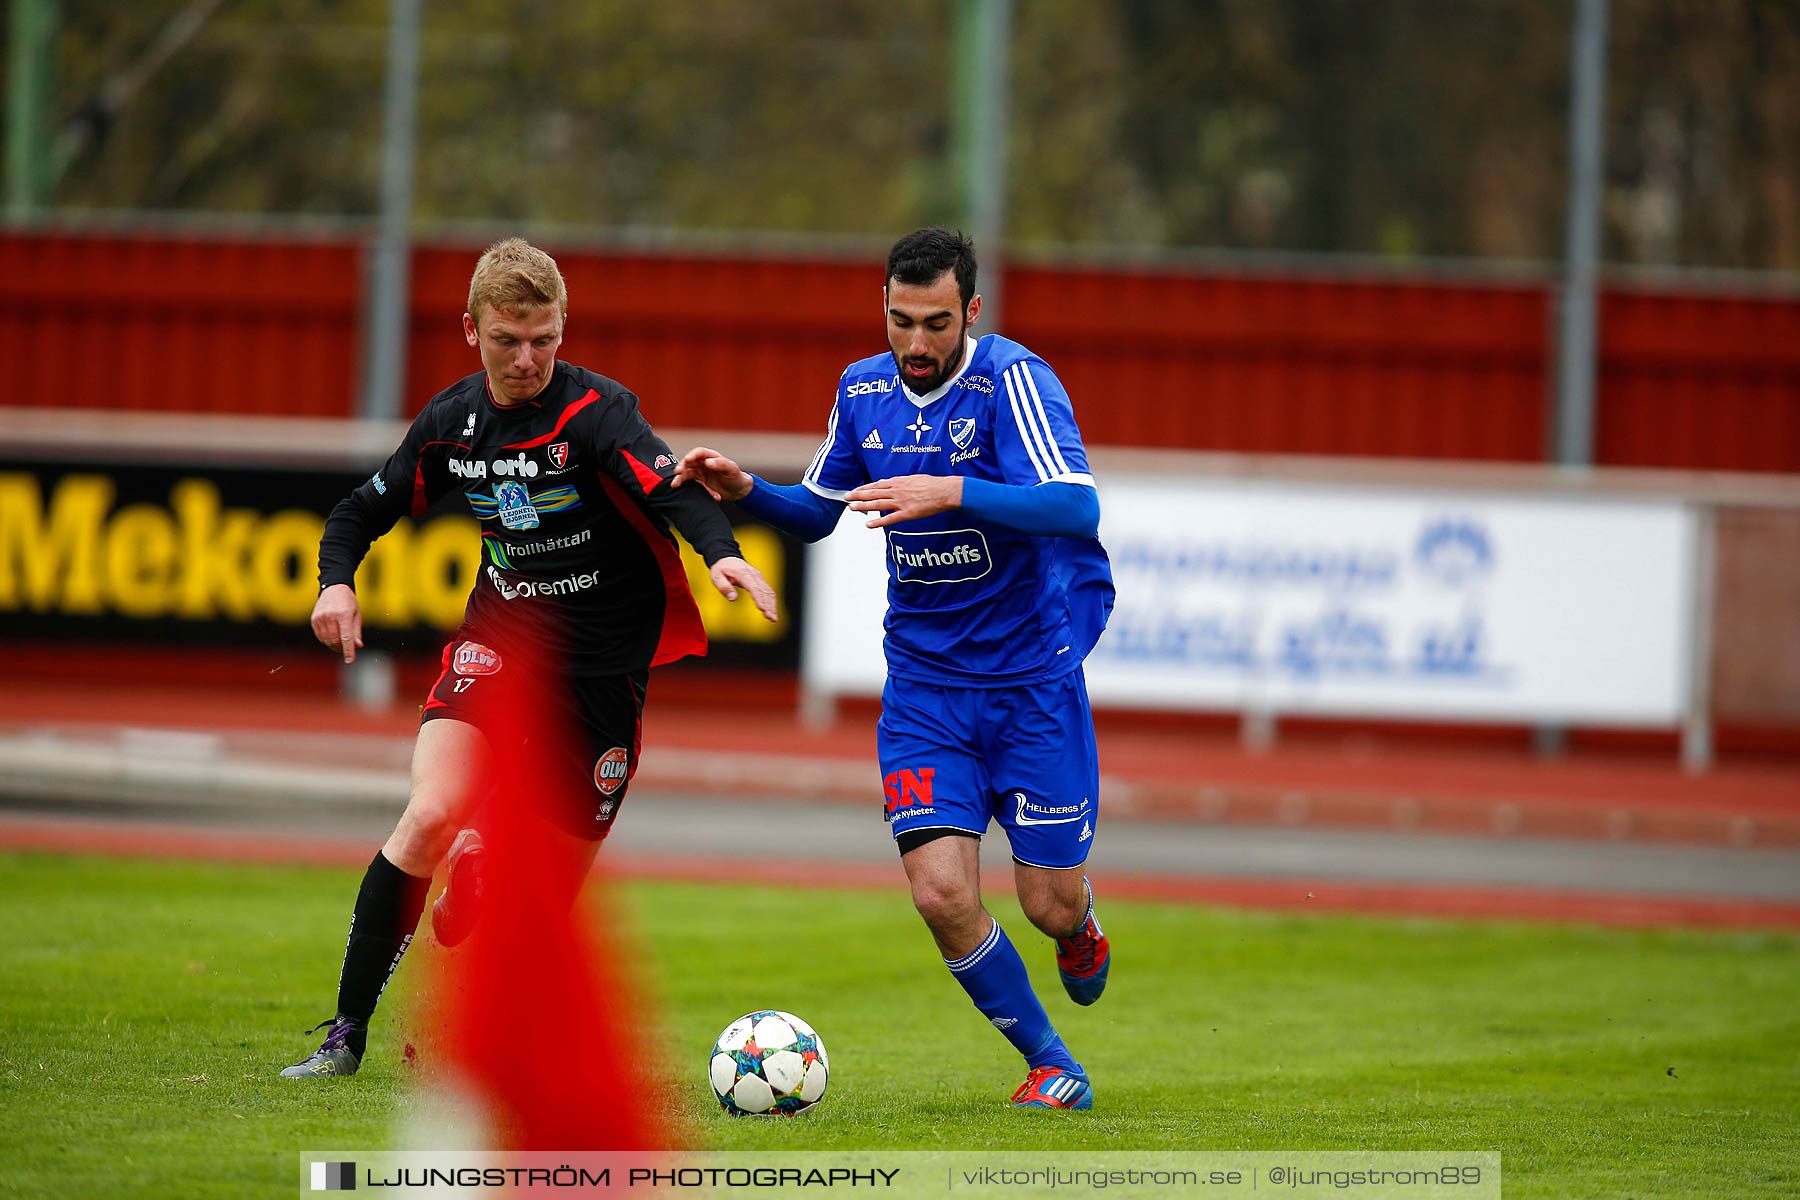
{"points": [[1343, 601]]}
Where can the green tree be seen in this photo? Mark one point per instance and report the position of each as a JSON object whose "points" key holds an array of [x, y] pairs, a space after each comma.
{"points": [[1389, 127]]}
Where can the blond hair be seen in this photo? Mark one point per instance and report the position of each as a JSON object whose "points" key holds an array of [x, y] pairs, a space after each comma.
{"points": [[515, 275]]}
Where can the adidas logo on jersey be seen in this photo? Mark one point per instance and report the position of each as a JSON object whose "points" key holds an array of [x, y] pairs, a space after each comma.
{"points": [[873, 441]]}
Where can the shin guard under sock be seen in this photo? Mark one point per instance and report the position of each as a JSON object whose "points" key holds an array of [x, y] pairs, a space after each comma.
{"points": [[994, 976]]}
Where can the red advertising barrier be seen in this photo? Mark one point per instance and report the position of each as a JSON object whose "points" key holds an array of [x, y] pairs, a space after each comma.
{"points": [[183, 324], [1214, 360], [1706, 382], [1292, 365]]}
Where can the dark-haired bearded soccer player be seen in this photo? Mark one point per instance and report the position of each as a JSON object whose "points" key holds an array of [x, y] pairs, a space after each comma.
{"points": [[968, 453], [581, 591]]}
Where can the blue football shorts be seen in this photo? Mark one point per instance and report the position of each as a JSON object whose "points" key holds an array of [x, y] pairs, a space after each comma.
{"points": [[955, 758]]}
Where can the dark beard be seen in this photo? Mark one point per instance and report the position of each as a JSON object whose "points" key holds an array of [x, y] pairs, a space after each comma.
{"points": [[949, 369]]}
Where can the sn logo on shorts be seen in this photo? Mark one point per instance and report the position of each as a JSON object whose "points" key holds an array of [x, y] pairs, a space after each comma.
{"points": [[908, 793]]}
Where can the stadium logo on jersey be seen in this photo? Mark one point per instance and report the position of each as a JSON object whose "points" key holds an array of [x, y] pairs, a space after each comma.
{"points": [[610, 773], [559, 454], [908, 789], [378, 483], [1051, 813], [962, 431], [473, 658], [515, 507], [873, 441], [947, 556], [871, 388]]}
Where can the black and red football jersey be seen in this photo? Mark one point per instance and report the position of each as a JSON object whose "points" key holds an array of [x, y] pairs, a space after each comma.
{"points": [[572, 492]]}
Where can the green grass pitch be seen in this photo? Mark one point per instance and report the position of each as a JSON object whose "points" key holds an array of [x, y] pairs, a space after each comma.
{"points": [[147, 1005]]}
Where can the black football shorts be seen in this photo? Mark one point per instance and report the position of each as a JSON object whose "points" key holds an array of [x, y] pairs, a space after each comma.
{"points": [[602, 714]]}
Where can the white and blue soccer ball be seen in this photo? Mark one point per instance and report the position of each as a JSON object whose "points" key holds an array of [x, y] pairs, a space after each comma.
{"points": [[768, 1063]]}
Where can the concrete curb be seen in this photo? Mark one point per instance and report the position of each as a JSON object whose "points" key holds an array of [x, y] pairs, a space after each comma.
{"points": [[327, 773]]}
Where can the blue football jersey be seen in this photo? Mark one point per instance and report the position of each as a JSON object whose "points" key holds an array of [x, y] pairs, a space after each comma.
{"points": [[972, 603]]}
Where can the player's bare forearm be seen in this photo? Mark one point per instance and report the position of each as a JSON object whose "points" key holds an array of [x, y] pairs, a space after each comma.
{"points": [[722, 478], [907, 498]]}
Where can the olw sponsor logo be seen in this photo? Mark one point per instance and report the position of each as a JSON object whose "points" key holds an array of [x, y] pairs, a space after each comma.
{"points": [[612, 770], [76, 552]]}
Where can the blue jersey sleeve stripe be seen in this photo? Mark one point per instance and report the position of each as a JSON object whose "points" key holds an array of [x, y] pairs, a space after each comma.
{"points": [[1055, 455], [818, 489], [1033, 409], [818, 458], [1025, 431]]}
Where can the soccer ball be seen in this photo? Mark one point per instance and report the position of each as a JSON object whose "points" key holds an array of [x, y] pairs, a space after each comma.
{"points": [[770, 1063]]}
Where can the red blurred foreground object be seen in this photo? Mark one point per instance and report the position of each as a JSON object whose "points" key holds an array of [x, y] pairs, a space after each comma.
{"points": [[537, 1005]]}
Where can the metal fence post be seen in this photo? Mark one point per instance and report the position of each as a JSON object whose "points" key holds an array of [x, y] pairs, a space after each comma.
{"points": [[1696, 725], [1577, 315], [370, 684], [384, 358], [31, 26], [978, 138]]}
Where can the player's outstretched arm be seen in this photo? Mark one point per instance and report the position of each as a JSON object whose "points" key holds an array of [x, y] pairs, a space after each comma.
{"points": [[337, 620], [730, 574], [722, 478], [792, 509]]}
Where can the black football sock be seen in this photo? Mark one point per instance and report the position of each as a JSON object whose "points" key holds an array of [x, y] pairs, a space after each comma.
{"points": [[381, 928]]}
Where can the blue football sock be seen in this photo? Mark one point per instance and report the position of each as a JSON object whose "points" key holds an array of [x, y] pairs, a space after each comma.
{"points": [[994, 976]]}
